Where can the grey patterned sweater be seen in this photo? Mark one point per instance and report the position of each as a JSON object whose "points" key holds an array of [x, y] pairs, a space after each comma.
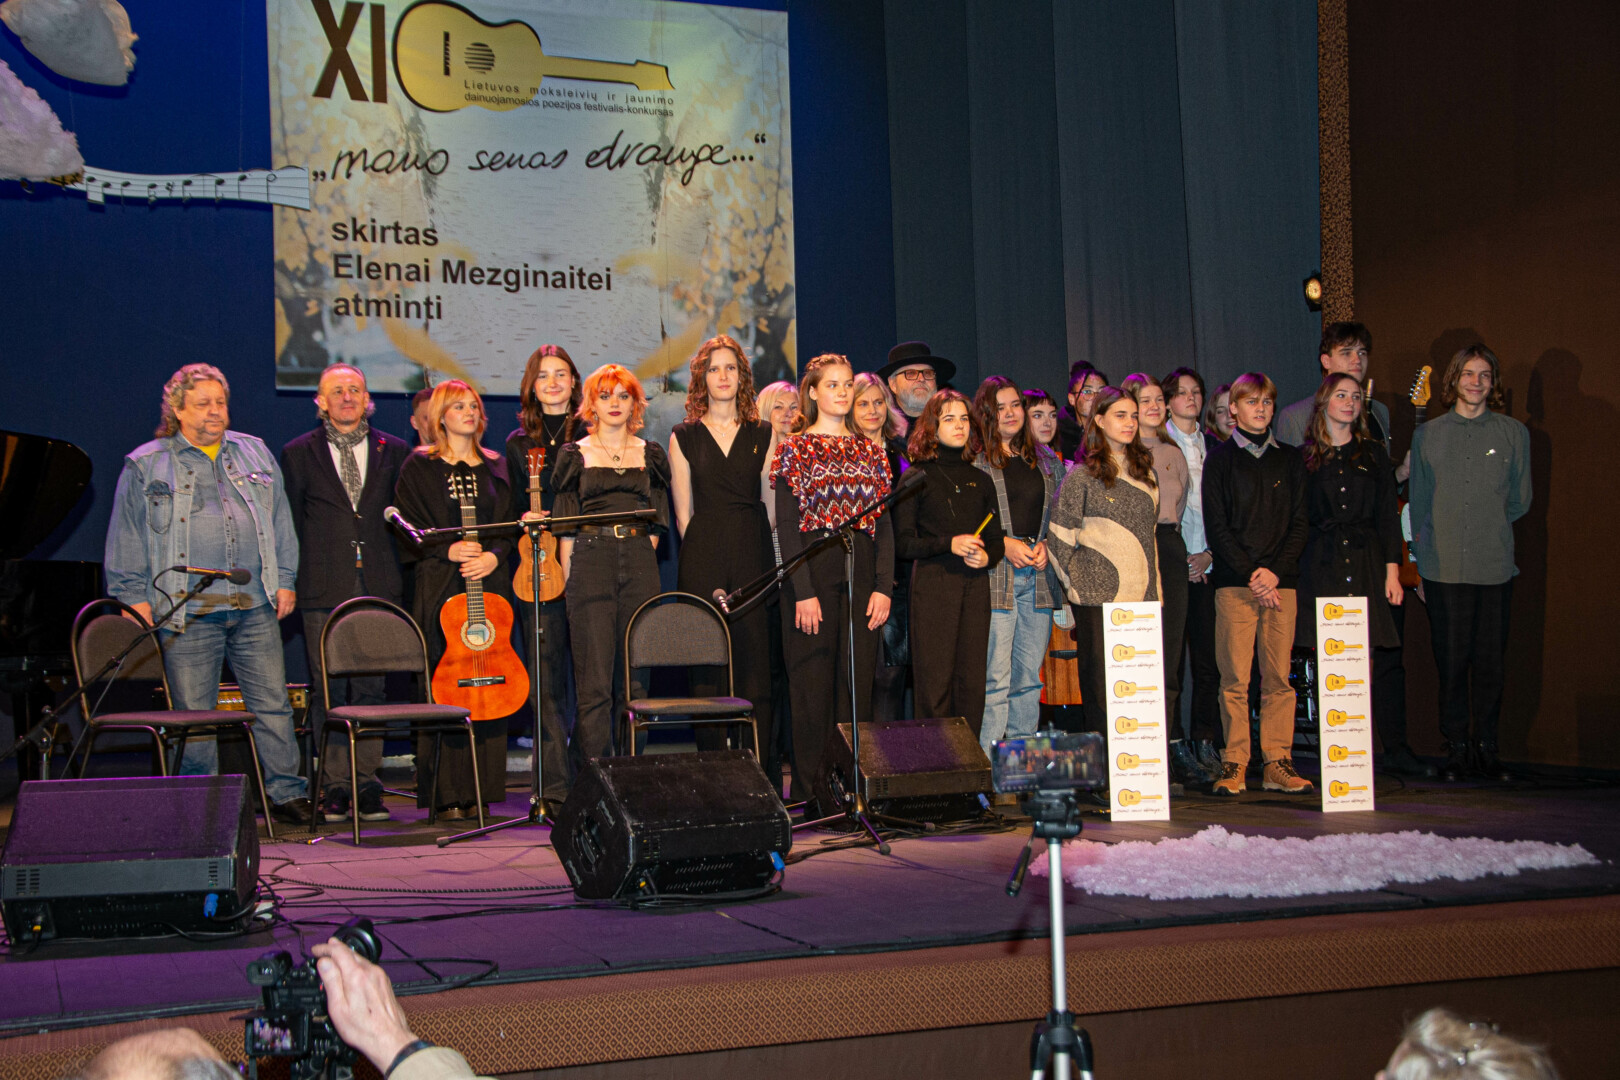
{"points": [[1101, 539]]}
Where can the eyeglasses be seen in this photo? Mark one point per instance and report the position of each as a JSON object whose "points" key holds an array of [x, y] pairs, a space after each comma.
{"points": [[917, 375], [1089, 392]]}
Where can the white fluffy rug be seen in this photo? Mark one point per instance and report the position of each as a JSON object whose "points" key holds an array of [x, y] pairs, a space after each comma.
{"points": [[1215, 862]]}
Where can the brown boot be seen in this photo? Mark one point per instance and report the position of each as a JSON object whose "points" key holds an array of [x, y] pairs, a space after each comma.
{"points": [[1280, 776], [1230, 783]]}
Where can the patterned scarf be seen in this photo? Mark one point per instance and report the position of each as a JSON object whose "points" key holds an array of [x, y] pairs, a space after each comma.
{"points": [[351, 467]]}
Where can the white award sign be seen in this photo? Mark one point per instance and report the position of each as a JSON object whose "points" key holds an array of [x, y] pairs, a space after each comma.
{"points": [[1344, 702], [1138, 754]]}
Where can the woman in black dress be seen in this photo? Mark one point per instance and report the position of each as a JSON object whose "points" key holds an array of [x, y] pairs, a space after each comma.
{"points": [[457, 421], [611, 569], [718, 460], [549, 398]]}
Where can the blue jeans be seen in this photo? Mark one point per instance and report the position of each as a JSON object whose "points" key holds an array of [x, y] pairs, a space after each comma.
{"points": [[1018, 641], [252, 641]]}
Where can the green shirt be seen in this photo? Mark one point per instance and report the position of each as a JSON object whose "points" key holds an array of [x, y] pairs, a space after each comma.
{"points": [[1470, 483]]}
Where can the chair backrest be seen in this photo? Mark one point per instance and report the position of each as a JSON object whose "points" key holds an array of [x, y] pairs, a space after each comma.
{"points": [[677, 629], [101, 631], [370, 636]]}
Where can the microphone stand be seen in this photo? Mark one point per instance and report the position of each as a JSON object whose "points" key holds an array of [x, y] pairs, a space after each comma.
{"points": [[537, 814]]}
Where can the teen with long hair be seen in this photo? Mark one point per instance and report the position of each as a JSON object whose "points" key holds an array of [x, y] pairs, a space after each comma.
{"points": [[611, 569], [457, 421], [940, 529], [1218, 416], [1103, 526], [719, 460], [823, 474], [1023, 591]]}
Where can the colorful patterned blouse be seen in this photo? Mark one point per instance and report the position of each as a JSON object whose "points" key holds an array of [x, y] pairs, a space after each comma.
{"points": [[832, 476]]}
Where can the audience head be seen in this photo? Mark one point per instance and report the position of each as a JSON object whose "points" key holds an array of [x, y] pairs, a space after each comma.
{"points": [[1439, 1045], [420, 402], [551, 384], [1346, 347], [610, 385], [1473, 376], [169, 1054], [1000, 428], [1252, 401], [1042, 412], [874, 413], [342, 398], [1184, 393], [1085, 382], [719, 372], [455, 408], [1218, 418], [778, 403], [946, 423], [1111, 434], [1150, 399], [196, 402], [828, 387], [1340, 399]]}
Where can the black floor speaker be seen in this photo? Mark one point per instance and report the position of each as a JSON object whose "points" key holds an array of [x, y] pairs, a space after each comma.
{"points": [[129, 857], [926, 770], [671, 824]]}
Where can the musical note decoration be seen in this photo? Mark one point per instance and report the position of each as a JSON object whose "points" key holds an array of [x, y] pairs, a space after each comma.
{"points": [[287, 186]]}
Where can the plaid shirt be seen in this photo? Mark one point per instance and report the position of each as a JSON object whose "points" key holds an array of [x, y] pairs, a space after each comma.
{"points": [[1048, 593]]}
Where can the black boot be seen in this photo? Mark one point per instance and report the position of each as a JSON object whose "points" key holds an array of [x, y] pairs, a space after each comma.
{"points": [[1489, 765], [1402, 762], [1458, 764]]}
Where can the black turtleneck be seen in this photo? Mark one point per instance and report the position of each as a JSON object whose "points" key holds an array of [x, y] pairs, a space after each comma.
{"points": [[956, 498]]}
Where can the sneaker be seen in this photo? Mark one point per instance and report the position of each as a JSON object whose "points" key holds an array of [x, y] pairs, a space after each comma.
{"points": [[335, 806], [1209, 757], [1230, 783], [371, 806], [1279, 775]]}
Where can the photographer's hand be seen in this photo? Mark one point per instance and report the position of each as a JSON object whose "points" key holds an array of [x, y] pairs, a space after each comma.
{"points": [[360, 1000]]}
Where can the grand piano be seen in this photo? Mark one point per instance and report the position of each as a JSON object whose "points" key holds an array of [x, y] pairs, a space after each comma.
{"points": [[41, 481]]}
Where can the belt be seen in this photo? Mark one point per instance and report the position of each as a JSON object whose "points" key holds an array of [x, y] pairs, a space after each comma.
{"points": [[620, 531]]}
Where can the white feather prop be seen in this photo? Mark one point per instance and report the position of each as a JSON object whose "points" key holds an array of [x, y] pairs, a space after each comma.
{"points": [[33, 145], [87, 40]]}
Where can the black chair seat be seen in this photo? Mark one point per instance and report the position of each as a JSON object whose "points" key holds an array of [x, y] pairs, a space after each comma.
{"points": [[691, 706], [175, 718], [368, 715]]}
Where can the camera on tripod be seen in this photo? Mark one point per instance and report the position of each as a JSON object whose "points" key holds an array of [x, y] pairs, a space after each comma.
{"points": [[294, 1022]]}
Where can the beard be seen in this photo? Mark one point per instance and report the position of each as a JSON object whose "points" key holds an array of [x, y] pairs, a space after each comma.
{"points": [[912, 402]]}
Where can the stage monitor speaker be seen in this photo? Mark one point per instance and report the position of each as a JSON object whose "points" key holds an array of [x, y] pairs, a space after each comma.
{"points": [[130, 857], [671, 824], [925, 770]]}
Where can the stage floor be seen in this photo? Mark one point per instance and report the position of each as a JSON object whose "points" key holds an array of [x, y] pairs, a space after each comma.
{"points": [[446, 914]]}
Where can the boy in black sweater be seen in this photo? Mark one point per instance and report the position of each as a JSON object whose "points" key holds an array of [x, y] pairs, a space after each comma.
{"points": [[1255, 519]]}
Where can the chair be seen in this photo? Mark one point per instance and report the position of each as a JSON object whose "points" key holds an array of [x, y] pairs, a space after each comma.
{"points": [[677, 629], [370, 636], [97, 639]]}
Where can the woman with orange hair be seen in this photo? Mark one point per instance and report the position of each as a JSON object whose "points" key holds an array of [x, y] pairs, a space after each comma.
{"points": [[456, 421], [611, 569]]}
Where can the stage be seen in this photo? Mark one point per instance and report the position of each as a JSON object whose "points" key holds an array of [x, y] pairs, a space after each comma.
{"points": [[918, 957]]}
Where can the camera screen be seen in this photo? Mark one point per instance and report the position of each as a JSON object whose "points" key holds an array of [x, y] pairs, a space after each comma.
{"points": [[277, 1036], [1049, 761]]}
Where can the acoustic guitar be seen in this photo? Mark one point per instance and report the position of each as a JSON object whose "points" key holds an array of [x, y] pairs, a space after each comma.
{"points": [[1060, 670], [1419, 396], [549, 573], [479, 671]]}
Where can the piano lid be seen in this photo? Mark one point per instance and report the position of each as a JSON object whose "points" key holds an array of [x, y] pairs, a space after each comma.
{"points": [[41, 480]]}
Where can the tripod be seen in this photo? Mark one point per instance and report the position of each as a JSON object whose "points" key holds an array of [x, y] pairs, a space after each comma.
{"points": [[1055, 1042]]}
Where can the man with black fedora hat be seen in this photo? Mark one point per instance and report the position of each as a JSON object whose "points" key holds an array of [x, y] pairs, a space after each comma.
{"points": [[913, 374]]}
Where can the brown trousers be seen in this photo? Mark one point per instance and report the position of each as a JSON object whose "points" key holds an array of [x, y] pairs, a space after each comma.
{"points": [[1241, 625]]}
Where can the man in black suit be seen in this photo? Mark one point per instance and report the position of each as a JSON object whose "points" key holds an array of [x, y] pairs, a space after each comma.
{"points": [[340, 477]]}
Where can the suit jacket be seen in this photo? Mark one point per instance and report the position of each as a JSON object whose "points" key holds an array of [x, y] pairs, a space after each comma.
{"points": [[328, 525]]}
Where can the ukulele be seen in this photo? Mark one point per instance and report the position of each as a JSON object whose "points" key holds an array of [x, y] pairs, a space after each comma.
{"points": [[479, 671], [1419, 396], [549, 573]]}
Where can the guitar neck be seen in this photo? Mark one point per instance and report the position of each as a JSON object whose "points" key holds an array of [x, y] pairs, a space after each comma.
{"points": [[475, 589]]}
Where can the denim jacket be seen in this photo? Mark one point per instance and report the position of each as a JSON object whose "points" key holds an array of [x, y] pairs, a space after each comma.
{"points": [[147, 535]]}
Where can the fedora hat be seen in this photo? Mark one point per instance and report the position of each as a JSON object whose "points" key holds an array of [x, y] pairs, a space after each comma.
{"points": [[917, 352]]}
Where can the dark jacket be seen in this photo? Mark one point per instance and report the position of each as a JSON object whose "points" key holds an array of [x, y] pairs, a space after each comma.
{"points": [[1254, 513], [328, 526]]}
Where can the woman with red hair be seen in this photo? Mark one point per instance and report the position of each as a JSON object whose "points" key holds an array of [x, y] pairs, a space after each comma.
{"points": [[610, 569], [456, 422]]}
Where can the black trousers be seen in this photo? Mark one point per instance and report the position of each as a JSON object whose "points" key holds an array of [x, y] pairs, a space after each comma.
{"points": [[555, 773], [1173, 593], [1088, 642], [818, 674], [363, 690], [1206, 673], [950, 641], [1469, 630], [751, 668], [1389, 685], [608, 578]]}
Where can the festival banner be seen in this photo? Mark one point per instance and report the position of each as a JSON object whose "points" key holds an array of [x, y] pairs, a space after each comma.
{"points": [[1344, 702], [612, 176], [1138, 751]]}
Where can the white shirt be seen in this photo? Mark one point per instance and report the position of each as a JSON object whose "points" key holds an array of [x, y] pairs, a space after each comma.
{"points": [[1192, 518], [362, 458]]}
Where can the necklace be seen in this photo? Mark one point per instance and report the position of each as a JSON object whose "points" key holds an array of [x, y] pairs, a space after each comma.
{"points": [[553, 436], [608, 450]]}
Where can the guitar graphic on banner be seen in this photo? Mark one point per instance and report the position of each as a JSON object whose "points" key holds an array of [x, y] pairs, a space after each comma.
{"points": [[479, 671]]}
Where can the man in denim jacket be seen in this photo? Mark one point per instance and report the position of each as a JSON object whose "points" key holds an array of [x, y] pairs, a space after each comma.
{"points": [[200, 495]]}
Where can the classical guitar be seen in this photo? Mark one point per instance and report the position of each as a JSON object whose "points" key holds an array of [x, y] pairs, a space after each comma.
{"points": [[479, 671], [1060, 670], [549, 573], [1419, 396]]}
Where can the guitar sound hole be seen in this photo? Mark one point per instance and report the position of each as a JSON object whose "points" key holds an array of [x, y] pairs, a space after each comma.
{"points": [[477, 635]]}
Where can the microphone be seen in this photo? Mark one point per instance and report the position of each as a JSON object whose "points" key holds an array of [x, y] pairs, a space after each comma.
{"points": [[911, 478], [721, 600], [236, 575], [393, 515]]}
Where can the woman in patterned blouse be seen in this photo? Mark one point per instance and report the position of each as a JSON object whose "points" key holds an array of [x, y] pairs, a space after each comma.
{"points": [[822, 475]]}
